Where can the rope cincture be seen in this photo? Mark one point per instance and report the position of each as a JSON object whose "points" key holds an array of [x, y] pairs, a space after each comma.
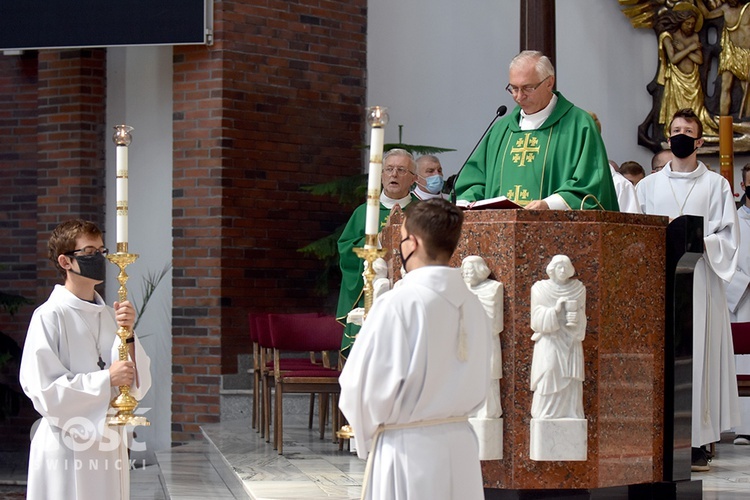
{"points": [[410, 425]]}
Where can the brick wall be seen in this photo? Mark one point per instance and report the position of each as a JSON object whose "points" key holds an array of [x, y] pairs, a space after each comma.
{"points": [[70, 144], [52, 111], [275, 104], [18, 178]]}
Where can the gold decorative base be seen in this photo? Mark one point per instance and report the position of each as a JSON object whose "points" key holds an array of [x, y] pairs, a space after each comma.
{"points": [[131, 420], [125, 404], [346, 432]]}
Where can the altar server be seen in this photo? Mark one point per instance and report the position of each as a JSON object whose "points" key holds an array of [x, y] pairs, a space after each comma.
{"points": [[70, 370], [738, 298], [419, 368], [686, 187]]}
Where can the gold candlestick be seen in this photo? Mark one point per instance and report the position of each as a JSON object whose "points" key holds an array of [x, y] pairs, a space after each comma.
{"points": [[124, 403], [377, 118], [370, 255], [726, 149]]}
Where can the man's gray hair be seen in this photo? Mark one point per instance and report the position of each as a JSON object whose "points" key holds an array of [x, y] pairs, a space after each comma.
{"points": [[430, 159], [542, 64], [401, 152]]}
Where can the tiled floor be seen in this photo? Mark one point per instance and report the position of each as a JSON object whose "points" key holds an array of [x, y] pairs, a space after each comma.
{"points": [[145, 483], [247, 467], [729, 477], [310, 468]]}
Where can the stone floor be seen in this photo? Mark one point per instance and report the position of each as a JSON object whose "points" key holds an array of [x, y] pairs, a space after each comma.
{"points": [[234, 462], [312, 469]]}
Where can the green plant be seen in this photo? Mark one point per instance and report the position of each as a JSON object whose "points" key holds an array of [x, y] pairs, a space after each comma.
{"points": [[148, 286], [10, 353], [10, 303], [10, 388], [5, 357]]}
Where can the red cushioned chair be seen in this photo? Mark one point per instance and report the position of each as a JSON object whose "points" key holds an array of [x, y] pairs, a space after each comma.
{"points": [[741, 343], [266, 370], [292, 333]]}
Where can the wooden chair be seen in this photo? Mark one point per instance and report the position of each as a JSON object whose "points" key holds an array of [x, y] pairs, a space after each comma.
{"points": [[292, 333], [741, 343], [256, 370]]}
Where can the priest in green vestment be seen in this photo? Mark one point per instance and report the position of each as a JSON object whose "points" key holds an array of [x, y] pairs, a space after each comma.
{"points": [[547, 154], [399, 173]]}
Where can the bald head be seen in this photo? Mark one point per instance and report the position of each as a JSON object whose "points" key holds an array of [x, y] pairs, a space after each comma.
{"points": [[660, 159]]}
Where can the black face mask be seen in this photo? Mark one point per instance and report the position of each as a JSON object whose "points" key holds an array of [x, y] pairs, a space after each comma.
{"points": [[682, 145], [92, 266], [747, 191], [401, 255]]}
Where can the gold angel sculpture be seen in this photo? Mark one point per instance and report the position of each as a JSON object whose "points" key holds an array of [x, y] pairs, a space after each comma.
{"points": [[684, 54]]}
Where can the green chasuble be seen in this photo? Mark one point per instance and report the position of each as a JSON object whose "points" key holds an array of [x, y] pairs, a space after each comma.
{"points": [[352, 283], [565, 156]]}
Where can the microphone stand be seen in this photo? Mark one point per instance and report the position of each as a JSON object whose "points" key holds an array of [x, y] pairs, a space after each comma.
{"points": [[500, 112]]}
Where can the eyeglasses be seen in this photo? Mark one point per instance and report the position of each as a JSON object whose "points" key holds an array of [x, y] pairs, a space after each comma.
{"points": [[89, 250], [526, 89], [400, 171]]}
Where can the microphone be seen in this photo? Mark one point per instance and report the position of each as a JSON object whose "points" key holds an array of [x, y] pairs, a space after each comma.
{"points": [[500, 112]]}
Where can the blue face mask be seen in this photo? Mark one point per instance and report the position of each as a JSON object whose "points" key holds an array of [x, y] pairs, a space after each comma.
{"points": [[434, 183]]}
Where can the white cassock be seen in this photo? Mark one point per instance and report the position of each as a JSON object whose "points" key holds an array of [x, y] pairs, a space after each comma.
{"points": [[738, 299], [74, 455], [405, 368], [738, 294], [627, 198], [705, 193]]}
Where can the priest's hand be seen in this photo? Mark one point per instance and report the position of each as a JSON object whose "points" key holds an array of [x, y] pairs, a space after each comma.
{"points": [[537, 205], [124, 314], [121, 373]]}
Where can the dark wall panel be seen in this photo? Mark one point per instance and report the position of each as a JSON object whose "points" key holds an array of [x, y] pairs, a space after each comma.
{"points": [[36, 24]]}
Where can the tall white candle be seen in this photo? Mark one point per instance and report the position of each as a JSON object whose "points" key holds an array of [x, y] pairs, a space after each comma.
{"points": [[372, 216], [377, 117], [122, 139], [122, 194]]}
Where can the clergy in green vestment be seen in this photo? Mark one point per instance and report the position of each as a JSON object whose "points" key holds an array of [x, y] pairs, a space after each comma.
{"points": [[547, 154], [399, 173]]}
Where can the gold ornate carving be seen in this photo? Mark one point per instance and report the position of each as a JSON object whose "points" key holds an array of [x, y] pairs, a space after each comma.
{"points": [[687, 58]]}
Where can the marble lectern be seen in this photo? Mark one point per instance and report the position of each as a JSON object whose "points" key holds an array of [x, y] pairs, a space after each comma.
{"points": [[621, 259]]}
